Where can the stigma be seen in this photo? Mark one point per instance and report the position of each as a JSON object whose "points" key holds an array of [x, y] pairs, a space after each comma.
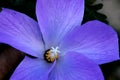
{"points": [[51, 54]]}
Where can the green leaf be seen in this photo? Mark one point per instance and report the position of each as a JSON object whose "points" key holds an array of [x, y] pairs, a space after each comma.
{"points": [[91, 12]]}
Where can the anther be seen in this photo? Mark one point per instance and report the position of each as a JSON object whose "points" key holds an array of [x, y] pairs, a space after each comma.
{"points": [[51, 54]]}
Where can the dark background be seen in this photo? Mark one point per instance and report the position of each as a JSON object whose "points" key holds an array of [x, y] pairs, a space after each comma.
{"points": [[10, 57]]}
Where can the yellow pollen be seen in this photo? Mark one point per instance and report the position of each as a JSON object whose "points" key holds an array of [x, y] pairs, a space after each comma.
{"points": [[50, 56]]}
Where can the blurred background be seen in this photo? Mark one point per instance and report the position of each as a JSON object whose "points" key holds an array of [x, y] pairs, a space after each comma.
{"points": [[107, 11]]}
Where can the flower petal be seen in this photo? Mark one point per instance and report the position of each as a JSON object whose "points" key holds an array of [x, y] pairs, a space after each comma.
{"points": [[32, 69], [57, 17], [74, 66], [95, 40], [20, 31]]}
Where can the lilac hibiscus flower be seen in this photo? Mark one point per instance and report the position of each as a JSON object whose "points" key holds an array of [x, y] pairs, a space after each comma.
{"points": [[63, 49]]}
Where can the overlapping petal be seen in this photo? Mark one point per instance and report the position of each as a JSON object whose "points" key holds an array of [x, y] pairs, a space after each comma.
{"points": [[57, 17], [74, 66], [20, 31], [32, 69], [95, 40]]}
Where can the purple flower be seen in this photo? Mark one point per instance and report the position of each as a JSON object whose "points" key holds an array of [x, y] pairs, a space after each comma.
{"points": [[63, 49]]}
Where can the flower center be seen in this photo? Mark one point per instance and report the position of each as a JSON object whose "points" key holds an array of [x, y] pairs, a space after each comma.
{"points": [[51, 54]]}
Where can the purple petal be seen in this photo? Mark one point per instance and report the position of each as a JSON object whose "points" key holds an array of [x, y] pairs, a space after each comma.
{"points": [[95, 40], [74, 66], [57, 17], [32, 69], [21, 32]]}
